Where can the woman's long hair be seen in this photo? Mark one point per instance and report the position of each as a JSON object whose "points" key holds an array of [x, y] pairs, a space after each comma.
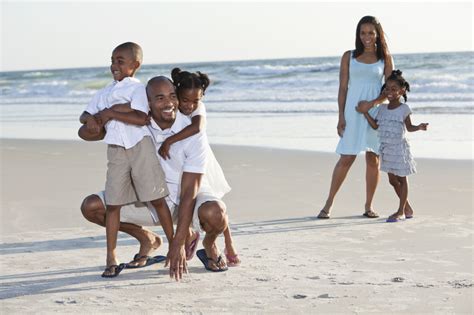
{"points": [[382, 49]]}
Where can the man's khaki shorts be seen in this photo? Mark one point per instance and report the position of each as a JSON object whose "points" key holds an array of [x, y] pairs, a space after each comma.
{"points": [[134, 174], [145, 214]]}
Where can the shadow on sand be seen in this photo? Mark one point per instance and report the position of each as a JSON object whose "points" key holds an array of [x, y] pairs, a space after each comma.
{"points": [[64, 280]]}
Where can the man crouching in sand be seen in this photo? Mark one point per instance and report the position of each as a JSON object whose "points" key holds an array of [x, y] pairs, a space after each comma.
{"points": [[193, 203]]}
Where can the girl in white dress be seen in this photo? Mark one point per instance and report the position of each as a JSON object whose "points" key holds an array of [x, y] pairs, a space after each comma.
{"points": [[190, 88], [391, 121]]}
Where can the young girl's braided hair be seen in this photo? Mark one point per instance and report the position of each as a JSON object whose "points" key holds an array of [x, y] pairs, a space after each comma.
{"points": [[184, 80], [396, 76]]}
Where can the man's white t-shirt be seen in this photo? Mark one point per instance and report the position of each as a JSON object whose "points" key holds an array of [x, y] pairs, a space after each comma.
{"points": [[187, 155], [129, 90]]}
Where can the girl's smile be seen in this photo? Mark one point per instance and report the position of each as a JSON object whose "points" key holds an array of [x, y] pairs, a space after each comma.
{"points": [[189, 100], [393, 91]]}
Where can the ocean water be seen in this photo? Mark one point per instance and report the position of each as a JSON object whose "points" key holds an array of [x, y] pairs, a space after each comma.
{"points": [[286, 103]]}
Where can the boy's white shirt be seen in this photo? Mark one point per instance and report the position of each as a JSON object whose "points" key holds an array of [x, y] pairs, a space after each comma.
{"points": [[129, 90]]}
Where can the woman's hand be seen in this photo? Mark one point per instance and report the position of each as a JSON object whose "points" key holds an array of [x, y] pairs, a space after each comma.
{"points": [[341, 125]]}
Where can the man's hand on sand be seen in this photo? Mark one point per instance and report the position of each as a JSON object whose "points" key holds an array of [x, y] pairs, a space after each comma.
{"points": [[176, 260]]}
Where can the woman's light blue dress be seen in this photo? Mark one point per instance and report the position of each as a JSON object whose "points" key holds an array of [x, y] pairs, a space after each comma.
{"points": [[365, 82]]}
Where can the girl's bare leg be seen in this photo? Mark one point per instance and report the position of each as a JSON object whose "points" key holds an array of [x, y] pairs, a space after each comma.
{"points": [[397, 187]]}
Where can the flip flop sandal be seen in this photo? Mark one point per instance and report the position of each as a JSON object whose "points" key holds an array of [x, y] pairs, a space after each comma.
{"points": [[117, 269], [323, 215], [371, 214], [393, 219], [205, 261], [191, 249], [149, 261]]}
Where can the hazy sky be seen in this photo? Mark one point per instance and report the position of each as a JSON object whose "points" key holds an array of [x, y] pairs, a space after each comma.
{"points": [[60, 34]]}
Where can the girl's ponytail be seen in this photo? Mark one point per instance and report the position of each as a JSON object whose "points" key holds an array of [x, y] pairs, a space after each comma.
{"points": [[189, 80], [175, 74]]}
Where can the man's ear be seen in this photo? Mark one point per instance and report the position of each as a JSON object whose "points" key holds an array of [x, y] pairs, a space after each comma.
{"points": [[137, 64]]}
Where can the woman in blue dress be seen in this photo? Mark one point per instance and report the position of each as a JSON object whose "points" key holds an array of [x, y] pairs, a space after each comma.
{"points": [[361, 76]]}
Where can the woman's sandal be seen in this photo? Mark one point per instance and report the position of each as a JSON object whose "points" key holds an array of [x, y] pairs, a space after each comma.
{"points": [[371, 214], [323, 215]]}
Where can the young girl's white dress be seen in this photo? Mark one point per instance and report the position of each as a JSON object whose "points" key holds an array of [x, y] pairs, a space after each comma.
{"points": [[394, 149], [214, 176]]}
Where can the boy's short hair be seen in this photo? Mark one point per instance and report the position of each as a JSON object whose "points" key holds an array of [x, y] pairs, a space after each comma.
{"points": [[136, 50]]}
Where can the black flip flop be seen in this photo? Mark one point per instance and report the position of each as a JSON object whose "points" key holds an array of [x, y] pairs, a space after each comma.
{"points": [[149, 261], [205, 260], [117, 270]]}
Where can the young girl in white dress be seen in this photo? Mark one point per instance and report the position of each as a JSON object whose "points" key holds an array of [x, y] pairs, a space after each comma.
{"points": [[190, 88], [392, 121]]}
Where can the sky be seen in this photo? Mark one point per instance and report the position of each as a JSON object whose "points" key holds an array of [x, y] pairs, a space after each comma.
{"points": [[74, 34]]}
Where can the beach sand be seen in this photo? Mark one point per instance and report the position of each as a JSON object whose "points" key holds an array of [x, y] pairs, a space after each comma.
{"points": [[52, 257]]}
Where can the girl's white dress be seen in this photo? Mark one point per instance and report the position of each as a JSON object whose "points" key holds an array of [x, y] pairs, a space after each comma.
{"points": [[394, 149], [214, 176]]}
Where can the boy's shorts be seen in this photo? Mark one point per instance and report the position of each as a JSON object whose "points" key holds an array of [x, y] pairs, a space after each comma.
{"points": [[134, 174], [145, 214]]}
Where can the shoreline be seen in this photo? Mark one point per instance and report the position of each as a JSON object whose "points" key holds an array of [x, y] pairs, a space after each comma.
{"points": [[257, 147]]}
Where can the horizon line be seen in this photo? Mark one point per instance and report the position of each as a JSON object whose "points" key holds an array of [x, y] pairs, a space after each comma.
{"points": [[223, 61]]}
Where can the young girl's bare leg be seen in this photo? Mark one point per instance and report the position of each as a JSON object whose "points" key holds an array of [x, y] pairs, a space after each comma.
{"points": [[403, 195], [397, 187]]}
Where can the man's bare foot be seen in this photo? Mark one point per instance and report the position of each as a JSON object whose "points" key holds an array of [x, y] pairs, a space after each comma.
{"points": [[147, 246], [212, 252]]}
